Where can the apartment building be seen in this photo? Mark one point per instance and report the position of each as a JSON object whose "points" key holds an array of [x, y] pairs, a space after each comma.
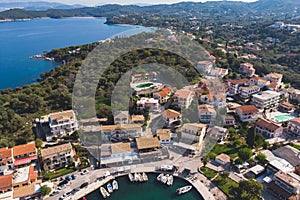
{"points": [[150, 104], [265, 99], [24, 155], [183, 98], [247, 113], [207, 114], [268, 129], [193, 132], [294, 126], [246, 92], [120, 132]]}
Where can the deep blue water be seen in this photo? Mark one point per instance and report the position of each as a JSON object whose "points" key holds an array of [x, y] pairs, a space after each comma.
{"points": [[21, 39]]}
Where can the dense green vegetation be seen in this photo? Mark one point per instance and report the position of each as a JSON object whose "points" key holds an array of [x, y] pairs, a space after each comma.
{"points": [[209, 173]]}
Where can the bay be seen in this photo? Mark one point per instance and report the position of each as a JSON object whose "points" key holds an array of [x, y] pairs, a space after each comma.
{"points": [[21, 39], [150, 190]]}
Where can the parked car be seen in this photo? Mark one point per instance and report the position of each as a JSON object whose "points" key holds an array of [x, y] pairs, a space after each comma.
{"points": [[84, 172], [69, 178], [55, 192], [74, 176], [83, 185]]}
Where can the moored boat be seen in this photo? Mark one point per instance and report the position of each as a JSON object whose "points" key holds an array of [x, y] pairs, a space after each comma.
{"points": [[115, 185], [140, 177], [164, 179], [130, 176], [145, 177], [159, 176], [109, 188], [170, 180], [104, 193], [184, 189], [136, 177]]}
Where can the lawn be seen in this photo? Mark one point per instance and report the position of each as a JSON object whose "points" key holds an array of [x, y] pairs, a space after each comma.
{"points": [[295, 146], [58, 173], [227, 149], [227, 186], [209, 173]]}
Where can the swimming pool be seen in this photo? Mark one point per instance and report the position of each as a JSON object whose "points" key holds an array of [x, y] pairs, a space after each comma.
{"points": [[284, 117]]}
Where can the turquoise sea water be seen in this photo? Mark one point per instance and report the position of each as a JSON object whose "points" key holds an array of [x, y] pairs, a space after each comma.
{"points": [[21, 39], [150, 190]]}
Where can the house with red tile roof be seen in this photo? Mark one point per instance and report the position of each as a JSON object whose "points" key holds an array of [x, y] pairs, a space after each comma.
{"points": [[6, 161], [233, 85], [6, 190], [268, 128], [24, 155], [247, 113], [163, 95], [170, 116]]}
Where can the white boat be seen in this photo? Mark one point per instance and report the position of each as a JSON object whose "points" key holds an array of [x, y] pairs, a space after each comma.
{"points": [[109, 188], [145, 177], [170, 180], [104, 193], [184, 189], [130, 176], [136, 177], [140, 177], [164, 179], [115, 185], [159, 176]]}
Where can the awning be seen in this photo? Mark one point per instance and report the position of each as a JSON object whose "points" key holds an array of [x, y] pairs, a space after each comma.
{"points": [[23, 161]]}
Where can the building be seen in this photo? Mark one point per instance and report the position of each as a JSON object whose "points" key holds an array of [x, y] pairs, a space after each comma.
{"points": [[164, 136], [268, 129], [120, 132], [151, 76], [150, 104], [294, 95], [121, 117], [193, 132], [229, 120], [24, 155], [290, 182], [294, 126], [145, 144], [290, 154], [60, 123], [183, 98], [246, 92], [117, 154], [138, 119], [207, 114], [6, 190], [218, 72], [24, 181], [266, 99], [218, 133], [57, 156], [6, 161], [247, 68], [233, 85], [204, 66], [222, 159], [247, 113], [163, 95], [274, 77], [171, 116], [286, 107]]}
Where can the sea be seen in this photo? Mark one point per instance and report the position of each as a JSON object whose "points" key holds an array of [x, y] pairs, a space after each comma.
{"points": [[150, 190], [21, 39]]}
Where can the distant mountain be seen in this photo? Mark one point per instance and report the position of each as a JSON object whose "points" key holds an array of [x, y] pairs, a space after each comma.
{"points": [[36, 5]]}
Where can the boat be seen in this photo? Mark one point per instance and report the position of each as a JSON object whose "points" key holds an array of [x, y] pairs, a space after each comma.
{"points": [[159, 176], [104, 193], [145, 177], [164, 179], [136, 177], [184, 189], [115, 185], [109, 188], [170, 180], [130, 176], [140, 176]]}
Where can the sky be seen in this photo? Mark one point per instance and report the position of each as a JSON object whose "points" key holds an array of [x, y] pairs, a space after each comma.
{"points": [[101, 2]]}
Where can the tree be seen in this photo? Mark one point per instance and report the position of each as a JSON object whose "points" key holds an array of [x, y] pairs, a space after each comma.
{"points": [[249, 190], [38, 143], [251, 137], [45, 190], [261, 156], [224, 175], [205, 160], [245, 154]]}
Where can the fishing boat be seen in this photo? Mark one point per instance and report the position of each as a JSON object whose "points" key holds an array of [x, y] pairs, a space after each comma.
{"points": [[159, 176], [130, 176], [115, 185], [104, 193], [109, 188], [164, 179], [136, 177], [184, 189], [145, 177], [170, 180]]}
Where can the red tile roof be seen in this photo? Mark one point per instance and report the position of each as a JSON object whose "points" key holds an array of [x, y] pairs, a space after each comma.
{"points": [[5, 152], [296, 120], [24, 149], [267, 125], [183, 93], [238, 81], [6, 182], [171, 113], [248, 109]]}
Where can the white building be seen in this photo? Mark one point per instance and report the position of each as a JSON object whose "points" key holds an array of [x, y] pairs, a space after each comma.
{"points": [[265, 99], [207, 113], [193, 132], [150, 104], [204, 66], [294, 126], [246, 92], [247, 113], [171, 116], [183, 98]]}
